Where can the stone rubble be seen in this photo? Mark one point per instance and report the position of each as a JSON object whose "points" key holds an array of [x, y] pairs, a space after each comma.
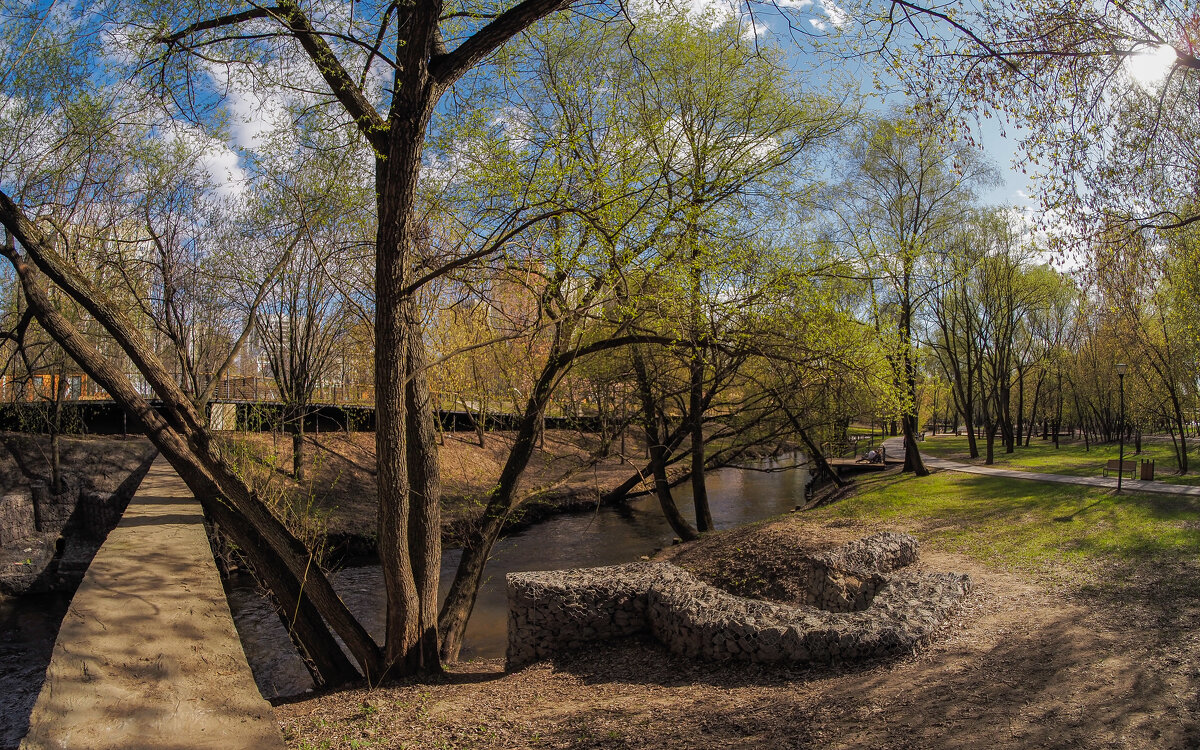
{"points": [[856, 608]]}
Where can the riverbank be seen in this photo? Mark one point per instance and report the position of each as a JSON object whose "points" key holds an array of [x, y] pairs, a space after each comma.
{"points": [[1079, 632], [340, 490]]}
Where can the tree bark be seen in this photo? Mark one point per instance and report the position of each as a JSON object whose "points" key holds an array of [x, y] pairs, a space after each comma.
{"points": [[658, 453], [704, 520], [425, 489]]}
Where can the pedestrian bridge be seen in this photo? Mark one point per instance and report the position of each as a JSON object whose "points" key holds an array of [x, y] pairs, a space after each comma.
{"points": [[148, 656]]}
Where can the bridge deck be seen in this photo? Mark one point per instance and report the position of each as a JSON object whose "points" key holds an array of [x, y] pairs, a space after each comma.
{"points": [[852, 464], [147, 656]]}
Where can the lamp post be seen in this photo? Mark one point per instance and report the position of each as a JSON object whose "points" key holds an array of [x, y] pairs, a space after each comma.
{"points": [[1121, 367]]}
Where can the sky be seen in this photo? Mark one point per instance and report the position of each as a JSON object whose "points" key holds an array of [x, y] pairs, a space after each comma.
{"points": [[251, 116]]}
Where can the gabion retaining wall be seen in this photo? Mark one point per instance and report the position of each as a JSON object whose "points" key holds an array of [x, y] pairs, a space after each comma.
{"points": [[16, 517], [555, 611]]}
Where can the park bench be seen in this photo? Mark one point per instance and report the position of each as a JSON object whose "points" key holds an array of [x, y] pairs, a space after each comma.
{"points": [[1122, 466]]}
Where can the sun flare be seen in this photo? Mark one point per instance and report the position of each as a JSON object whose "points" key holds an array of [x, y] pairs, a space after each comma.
{"points": [[1150, 65]]}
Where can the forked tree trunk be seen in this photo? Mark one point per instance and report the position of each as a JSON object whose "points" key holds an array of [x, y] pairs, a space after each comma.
{"points": [[658, 453]]}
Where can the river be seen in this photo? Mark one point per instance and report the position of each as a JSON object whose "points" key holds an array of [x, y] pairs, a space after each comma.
{"points": [[28, 626], [605, 536]]}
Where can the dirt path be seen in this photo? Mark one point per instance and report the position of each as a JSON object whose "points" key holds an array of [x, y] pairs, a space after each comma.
{"points": [[1025, 665]]}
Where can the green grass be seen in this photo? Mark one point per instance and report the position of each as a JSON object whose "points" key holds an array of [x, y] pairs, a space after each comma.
{"points": [[1069, 458], [1029, 525], [859, 430]]}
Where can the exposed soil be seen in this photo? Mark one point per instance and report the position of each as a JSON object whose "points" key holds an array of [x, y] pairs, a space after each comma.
{"points": [[1109, 660], [89, 464], [340, 482], [759, 561], [102, 465]]}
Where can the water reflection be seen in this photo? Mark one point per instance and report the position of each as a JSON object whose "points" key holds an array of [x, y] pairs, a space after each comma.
{"points": [[605, 536], [28, 627]]}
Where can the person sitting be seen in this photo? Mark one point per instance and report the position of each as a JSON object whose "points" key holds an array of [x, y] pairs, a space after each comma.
{"points": [[870, 458]]}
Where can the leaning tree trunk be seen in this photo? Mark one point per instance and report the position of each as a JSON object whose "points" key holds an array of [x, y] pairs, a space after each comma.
{"points": [[460, 599], [814, 452], [280, 556]]}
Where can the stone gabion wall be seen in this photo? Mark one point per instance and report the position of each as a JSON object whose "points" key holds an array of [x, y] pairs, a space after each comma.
{"points": [[555, 611], [882, 553], [698, 620], [52, 510], [16, 517], [27, 513]]}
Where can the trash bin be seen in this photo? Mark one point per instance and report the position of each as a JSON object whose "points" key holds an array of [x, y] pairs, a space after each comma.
{"points": [[1147, 469]]}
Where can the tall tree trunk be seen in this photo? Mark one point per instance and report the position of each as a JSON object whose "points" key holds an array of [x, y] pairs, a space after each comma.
{"points": [[1058, 409], [407, 643], [1037, 393], [704, 520], [425, 491], [1083, 426], [1020, 427], [989, 429], [909, 420], [1004, 412], [298, 447]]}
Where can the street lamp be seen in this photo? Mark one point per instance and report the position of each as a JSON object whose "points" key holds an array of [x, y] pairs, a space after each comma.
{"points": [[1121, 368]]}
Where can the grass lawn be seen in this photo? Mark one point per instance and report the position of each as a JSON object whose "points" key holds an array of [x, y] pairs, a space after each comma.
{"points": [[862, 430], [1030, 526], [1069, 458]]}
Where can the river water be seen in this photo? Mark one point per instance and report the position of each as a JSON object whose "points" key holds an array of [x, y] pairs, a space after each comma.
{"points": [[605, 536], [28, 626]]}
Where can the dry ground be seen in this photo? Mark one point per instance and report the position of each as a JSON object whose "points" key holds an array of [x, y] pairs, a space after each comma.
{"points": [[89, 462], [1099, 660]]}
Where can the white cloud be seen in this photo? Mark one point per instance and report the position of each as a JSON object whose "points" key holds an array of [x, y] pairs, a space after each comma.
{"points": [[818, 24], [755, 30], [837, 15], [252, 115], [229, 179], [719, 11]]}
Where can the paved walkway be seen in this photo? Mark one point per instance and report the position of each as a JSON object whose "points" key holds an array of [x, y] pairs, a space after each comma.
{"points": [[895, 448], [147, 656]]}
